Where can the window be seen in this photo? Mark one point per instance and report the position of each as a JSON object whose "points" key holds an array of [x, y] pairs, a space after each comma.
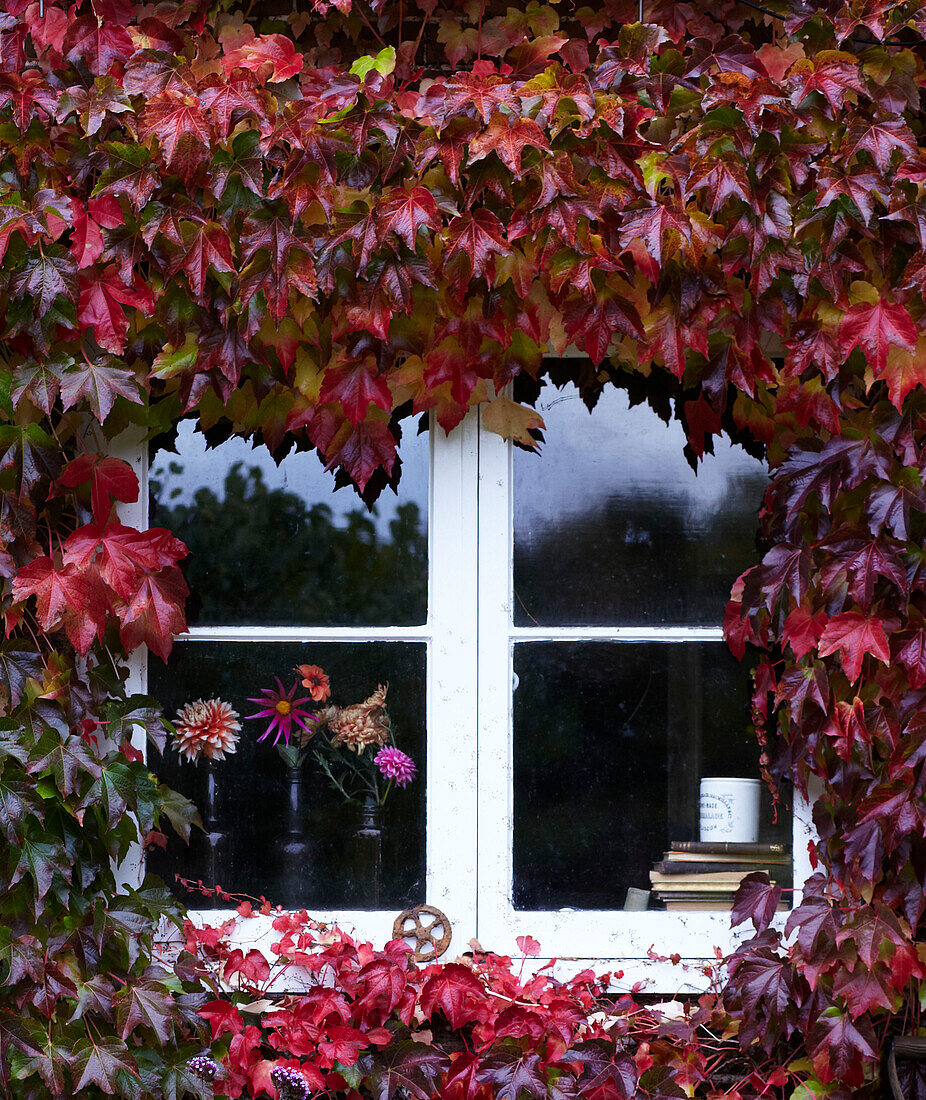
{"points": [[550, 631]]}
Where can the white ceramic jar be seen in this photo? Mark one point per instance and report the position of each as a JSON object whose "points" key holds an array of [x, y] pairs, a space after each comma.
{"points": [[729, 810]]}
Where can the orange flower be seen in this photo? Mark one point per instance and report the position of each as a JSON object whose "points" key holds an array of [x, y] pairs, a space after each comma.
{"points": [[315, 680]]}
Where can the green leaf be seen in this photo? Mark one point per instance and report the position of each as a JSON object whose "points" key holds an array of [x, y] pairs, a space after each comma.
{"points": [[180, 811], [40, 859], [383, 63], [67, 759]]}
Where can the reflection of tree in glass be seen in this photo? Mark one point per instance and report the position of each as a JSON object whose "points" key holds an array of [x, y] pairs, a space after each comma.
{"points": [[639, 558], [262, 555]]}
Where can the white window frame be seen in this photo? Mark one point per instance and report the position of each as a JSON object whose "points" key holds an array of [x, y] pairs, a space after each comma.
{"points": [[587, 936], [470, 637]]}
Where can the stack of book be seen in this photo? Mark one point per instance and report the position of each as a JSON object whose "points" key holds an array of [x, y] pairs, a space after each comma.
{"points": [[697, 874]]}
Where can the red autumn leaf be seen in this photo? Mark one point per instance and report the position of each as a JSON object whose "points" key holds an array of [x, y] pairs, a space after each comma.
{"points": [[24, 93], [592, 325], [815, 921], [272, 53], [154, 614], [97, 43], [202, 246], [64, 597], [230, 101], [830, 72], [874, 328], [730, 55], [124, 553], [854, 634], [343, 1045], [368, 447], [802, 629], [864, 989], [757, 900], [379, 988], [701, 422], [253, 967], [869, 930], [355, 386], [802, 683], [912, 655], [838, 1047], [508, 137], [101, 300], [109, 478], [184, 133], [43, 278], [474, 239], [473, 93], [660, 228], [456, 992], [404, 212], [86, 237], [99, 384], [222, 1016], [462, 1078], [903, 372], [880, 139], [862, 560]]}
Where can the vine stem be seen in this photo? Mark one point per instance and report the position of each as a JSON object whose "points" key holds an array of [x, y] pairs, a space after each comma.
{"points": [[379, 38]]}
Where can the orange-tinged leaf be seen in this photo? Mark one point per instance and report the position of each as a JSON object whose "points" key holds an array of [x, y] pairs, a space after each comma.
{"points": [[512, 421], [903, 371]]}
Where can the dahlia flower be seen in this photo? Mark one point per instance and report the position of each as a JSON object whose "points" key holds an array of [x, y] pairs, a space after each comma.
{"points": [[284, 712], [395, 764], [207, 728], [361, 724], [316, 680]]}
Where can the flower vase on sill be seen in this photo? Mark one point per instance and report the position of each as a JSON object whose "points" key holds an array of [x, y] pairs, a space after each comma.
{"points": [[367, 861], [208, 729], [357, 754], [296, 879], [297, 875]]}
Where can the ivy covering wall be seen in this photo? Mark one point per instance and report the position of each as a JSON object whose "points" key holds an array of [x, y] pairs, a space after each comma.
{"points": [[307, 226]]}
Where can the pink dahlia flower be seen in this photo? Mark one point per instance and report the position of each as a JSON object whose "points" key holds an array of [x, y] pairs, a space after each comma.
{"points": [[395, 764], [284, 712], [206, 728]]}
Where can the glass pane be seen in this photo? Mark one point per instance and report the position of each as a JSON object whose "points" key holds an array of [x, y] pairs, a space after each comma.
{"points": [[277, 545], [610, 743], [253, 790], [611, 525]]}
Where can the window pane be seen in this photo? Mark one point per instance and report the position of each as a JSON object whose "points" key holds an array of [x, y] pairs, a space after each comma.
{"points": [[252, 786], [611, 525], [276, 545], [610, 743]]}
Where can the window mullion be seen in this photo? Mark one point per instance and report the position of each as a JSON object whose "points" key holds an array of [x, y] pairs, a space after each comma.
{"points": [[452, 786]]}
